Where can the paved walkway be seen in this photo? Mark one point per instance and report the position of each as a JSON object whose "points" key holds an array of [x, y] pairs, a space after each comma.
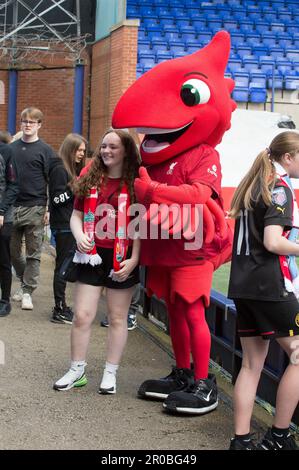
{"points": [[34, 416]]}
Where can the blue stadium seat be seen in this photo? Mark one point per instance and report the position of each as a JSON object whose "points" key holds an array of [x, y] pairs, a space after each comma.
{"points": [[162, 10], [239, 15], [171, 32], [176, 46], [198, 23], [183, 21], [260, 50], [145, 11], [270, 16], [236, 38], [292, 54], [230, 24], [241, 79], [253, 38], [159, 45], [162, 3], [147, 60], [193, 43], [284, 16], [266, 64], [249, 64], [192, 49], [240, 94], [258, 77], [177, 55], [141, 34], [204, 36], [187, 32], [132, 11], [261, 26], [193, 12], [269, 39], [144, 46], [276, 52], [243, 50], [277, 27], [257, 94], [278, 81], [178, 11], [162, 56], [277, 4], [150, 22], [246, 26], [284, 40], [234, 64], [283, 66], [166, 22], [214, 23]]}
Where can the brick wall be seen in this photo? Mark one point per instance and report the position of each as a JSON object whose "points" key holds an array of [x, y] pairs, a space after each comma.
{"points": [[114, 60], [3, 106], [52, 91]]}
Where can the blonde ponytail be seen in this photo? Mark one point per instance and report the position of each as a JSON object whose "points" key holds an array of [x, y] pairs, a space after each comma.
{"points": [[258, 182]]}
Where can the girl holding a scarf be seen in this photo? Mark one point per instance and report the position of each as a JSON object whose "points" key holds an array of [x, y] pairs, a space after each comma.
{"points": [[106, 257], [264, 286]]}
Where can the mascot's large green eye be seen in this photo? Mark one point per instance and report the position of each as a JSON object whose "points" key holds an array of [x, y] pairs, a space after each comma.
{"points": [[195, 92]]}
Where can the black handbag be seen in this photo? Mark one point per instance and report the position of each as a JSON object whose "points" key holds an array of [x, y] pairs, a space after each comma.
{"points": [[69, 270]]}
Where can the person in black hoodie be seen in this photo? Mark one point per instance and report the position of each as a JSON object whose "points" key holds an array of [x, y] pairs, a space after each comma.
{"points": [[8, 194], [72, 160]]}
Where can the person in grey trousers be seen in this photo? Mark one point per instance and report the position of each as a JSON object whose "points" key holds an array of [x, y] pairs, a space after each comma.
{"points": [[34, 159]]}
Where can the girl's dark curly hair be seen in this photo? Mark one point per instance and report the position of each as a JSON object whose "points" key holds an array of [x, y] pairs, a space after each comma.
{"points": [[97, 174]]}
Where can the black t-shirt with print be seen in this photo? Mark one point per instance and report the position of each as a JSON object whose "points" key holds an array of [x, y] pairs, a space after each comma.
{"points": [[255, 271]]}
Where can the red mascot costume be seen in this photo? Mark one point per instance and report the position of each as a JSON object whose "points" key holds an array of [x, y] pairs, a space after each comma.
{"points": [[183, 107]]}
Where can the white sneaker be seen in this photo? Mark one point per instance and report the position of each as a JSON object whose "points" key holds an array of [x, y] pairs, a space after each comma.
{"points": [[18, 295], [73, 378], [27, 302], [108, 384]]}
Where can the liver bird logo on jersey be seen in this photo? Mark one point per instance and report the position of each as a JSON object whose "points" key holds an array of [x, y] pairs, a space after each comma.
{"points": [[180, 103]]}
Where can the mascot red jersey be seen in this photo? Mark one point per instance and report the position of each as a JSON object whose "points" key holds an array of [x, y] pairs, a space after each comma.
{"points": [[183, 107]]}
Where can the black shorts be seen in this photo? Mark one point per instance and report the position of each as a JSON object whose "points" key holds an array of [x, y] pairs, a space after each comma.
{"points": [[267, 319], [101, 275]]}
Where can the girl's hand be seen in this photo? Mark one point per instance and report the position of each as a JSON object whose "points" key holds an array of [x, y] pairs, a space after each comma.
{"points": [[84, 244], [126, 267]]}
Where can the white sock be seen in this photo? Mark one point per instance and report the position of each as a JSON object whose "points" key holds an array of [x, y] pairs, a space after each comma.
{"points": [[79, 366], [111, 368]]}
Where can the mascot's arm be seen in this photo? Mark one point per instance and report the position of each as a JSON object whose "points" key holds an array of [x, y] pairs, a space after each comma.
{"points": [[148, 191], [151, 192]]}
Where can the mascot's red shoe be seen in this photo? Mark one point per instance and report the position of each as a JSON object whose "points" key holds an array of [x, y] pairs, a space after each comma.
{"points": [[183, 107]]}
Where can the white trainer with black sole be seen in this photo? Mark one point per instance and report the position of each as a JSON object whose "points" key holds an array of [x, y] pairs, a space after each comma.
{"points": [[73, 378], [108, 384]]}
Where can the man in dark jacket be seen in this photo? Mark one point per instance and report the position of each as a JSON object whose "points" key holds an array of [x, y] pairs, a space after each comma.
{"points": [[8, 194], [34, 159]]}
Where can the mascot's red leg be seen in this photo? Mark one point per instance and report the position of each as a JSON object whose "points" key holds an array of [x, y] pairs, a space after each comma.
{"points": [[180, 335], [190, 333]]}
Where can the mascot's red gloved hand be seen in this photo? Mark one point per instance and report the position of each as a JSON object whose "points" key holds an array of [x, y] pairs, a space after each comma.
{"points": [[152, 193]]}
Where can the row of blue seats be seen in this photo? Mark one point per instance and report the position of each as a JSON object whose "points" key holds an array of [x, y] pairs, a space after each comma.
{"points": [[217, 3], [207, 6], [236, 35], [253, 95], [264, 66], [243, 28], [239, 52], [238, 40]]}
